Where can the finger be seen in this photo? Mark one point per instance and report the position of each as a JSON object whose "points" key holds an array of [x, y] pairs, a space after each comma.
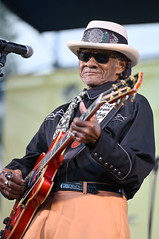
{"points": [[11, 183], [11, 191], [17, 177], [18, 172], [3, 182], [12, 174], [82, 107], [77, 126], [10, 195], [14, 187]]}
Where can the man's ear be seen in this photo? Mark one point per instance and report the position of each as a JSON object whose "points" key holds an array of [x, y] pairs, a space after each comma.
{"points": [[121, 66]]}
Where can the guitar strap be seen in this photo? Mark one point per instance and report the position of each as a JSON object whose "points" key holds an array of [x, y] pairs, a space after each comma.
{"points": [[103, 120], [63, 124]]}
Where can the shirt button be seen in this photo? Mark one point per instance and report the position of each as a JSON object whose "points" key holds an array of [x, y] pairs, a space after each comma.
{"points": [[119, 173], [106, 164], [100, 159], [95, 154]]}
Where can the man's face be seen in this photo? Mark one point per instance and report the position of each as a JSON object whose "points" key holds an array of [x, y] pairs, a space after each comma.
{"points": [[94, 73]]}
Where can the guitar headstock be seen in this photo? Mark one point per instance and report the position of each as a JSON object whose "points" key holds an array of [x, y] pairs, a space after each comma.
{"points": [[124, 88], [116, 94]]}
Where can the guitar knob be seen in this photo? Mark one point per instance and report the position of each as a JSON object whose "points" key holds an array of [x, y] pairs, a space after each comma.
{"points": [[2, 236], [9, 227], [133, 97], [123, 101], [6, 220]]}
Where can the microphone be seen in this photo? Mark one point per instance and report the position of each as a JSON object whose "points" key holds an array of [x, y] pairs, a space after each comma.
{"points": [[11, 47]]}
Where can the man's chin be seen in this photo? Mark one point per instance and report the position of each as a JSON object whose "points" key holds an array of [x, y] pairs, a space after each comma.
{"points": [[93, 82], [92, 85]]}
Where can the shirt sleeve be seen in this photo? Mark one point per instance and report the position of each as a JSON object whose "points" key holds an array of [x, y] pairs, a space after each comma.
{"points": [[126, 148]]}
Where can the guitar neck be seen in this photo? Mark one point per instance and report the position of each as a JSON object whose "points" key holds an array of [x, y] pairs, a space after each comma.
{"points": [[93, 108]]}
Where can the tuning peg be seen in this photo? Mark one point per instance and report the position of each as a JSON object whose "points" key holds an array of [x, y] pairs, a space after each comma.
{"points": [[126, 97], [132, 97], [117, 103], [123, 101]]}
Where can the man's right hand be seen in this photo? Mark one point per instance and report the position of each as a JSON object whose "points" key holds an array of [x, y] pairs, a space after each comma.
{"points": [[11, 183]]}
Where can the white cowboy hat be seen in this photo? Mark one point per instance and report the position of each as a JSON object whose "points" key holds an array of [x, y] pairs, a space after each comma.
{"points": [[107, 36]]}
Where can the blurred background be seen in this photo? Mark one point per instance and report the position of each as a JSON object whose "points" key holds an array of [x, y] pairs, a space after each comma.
{"points": [[31, 88]]}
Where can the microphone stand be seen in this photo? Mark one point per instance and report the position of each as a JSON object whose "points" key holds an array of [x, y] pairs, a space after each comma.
{"points": [[3, 56], [152, 199]]}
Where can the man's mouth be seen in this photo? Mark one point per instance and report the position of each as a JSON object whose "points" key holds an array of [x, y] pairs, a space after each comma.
{"points": [[90, 71]]}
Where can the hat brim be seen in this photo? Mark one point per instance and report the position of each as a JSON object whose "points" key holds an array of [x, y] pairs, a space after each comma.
{"points": [[129, 51]]}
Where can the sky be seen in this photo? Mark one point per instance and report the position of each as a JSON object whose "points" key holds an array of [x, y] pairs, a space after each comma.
{"points": [[51, 46]]}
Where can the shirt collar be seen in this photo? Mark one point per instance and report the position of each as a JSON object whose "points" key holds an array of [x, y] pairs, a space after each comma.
{"points": [[96, 91]]}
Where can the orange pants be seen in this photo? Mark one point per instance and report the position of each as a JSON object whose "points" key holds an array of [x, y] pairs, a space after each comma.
{"points": [[74, 215]]}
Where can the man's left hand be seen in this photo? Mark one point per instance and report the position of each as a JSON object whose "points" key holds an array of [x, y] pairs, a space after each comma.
{"points": [[85, 131]]}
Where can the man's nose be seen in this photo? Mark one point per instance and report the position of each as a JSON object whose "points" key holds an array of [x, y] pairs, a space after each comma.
{"points": [[91, 62]]}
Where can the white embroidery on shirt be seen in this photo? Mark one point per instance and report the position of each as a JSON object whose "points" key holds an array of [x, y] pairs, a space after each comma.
{"points": [[119, 117], [52, 116]]}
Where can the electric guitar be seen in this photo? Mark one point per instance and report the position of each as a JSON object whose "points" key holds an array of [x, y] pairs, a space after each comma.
{"points": [[40, 180]]}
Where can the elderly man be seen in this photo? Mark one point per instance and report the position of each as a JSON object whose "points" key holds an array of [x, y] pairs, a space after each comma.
{"points": [[111, 153]]}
